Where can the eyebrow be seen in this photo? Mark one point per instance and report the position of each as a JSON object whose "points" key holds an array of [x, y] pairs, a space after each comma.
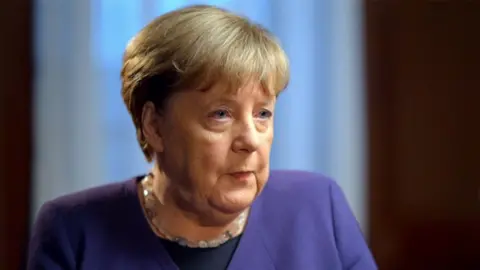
{"points": [[233, 99]]}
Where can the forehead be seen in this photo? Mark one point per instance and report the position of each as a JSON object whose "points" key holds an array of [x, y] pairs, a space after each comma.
{"points": [[250, 89]]}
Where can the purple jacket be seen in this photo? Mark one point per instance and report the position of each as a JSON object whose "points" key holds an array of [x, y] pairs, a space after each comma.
{"points": [[301, 221]]}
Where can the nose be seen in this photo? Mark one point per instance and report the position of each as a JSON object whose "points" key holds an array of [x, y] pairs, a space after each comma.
{"points": [[247, 139]]}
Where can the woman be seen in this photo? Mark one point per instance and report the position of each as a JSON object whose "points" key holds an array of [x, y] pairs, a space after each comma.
{"points": [[201, 84]]}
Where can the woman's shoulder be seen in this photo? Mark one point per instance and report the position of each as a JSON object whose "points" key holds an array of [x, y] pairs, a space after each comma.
{"points": [[314, 209], [86, 209], [298, 184], [65, 222], [93, 198], [288, 191]]}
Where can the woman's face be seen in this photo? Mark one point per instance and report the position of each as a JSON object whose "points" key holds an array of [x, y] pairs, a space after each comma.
{"points": [[216, 146]]}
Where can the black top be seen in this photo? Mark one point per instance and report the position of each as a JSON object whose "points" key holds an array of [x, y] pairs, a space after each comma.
{"points": [[216, 258]]}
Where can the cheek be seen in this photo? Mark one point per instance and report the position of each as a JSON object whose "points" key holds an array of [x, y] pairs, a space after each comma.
{"points": [[264, 161], [211, 152], [265, 148]]}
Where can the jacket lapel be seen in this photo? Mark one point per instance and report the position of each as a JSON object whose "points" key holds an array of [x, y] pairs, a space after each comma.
{"points": [[251, 252]]}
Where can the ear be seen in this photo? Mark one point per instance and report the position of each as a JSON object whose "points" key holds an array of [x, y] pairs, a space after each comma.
{"points": [[151, 127]]}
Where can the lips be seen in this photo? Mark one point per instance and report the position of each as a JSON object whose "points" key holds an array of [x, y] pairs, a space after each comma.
{"points": [[241, 175]]}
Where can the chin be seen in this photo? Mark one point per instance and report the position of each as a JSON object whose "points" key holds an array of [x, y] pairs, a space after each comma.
{"points": [[234, 203]]}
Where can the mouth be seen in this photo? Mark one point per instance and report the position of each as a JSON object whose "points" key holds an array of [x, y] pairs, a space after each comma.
{"points": [[241, 175]]}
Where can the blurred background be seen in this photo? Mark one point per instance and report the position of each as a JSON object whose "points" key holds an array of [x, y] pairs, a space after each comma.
{"points": [[383, 98]]}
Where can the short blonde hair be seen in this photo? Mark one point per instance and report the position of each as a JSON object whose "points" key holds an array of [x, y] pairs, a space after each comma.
{"points": [[196, 47]]}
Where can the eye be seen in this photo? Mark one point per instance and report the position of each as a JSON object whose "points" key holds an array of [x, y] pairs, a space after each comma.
{"points": [[265, 114], [220, 114]]}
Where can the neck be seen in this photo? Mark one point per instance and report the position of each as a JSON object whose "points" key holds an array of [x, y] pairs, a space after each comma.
{"points": [[180, 218]]}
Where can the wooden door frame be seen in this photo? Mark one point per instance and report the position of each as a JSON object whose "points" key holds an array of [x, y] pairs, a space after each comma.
{"points": [[16, 73]]}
